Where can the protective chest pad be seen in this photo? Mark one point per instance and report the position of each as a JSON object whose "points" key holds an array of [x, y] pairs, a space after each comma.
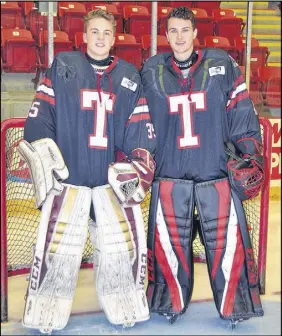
{"points": [[62, 234], [232, 269], [170, 270]]}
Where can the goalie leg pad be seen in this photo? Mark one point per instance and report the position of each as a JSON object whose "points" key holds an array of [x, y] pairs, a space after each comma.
{"points": [[62, 234], [229, 253], [120, 258], [170, 265]]}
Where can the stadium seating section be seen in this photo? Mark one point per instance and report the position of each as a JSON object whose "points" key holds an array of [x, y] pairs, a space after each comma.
{"points": [[24, 37]]}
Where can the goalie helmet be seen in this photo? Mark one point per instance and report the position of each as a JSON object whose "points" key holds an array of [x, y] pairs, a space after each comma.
{"points": [[246, 175]]}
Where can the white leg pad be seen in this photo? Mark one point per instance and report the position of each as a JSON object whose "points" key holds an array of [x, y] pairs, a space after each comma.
{"points": [[120, 258], [62, 234]]}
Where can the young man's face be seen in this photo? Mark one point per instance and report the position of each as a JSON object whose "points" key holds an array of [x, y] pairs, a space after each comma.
{"points": [[99, 38], [180, 35]]}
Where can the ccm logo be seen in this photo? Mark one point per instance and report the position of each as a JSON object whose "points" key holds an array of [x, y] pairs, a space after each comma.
{"points": [[34, 275], [143, 269]]}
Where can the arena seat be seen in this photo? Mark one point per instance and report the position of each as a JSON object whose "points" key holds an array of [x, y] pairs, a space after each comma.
{"points": [[111, 9], [38, 22], [197, 45], [27, 7], [222, 43], [71, 17], [19, 51], [120, 4], [208, 6], [187, 4], [11, 15], [259, 54], [204, 23], [218, 13], [79, 44], [162, 45], [147, 4], [229, 27], [61, 43], [162, 14], [128, 49], [137, 21], [254, 87], [269, 78]]}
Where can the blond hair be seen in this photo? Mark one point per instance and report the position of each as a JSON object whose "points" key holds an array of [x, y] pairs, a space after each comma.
{"points": [[99, 13]]}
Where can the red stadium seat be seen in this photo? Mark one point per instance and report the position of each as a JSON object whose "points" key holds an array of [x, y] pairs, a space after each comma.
{"points": [[71, 17], [162, 45], [222, 43], [79, 44], [111, 9], [19, 51], [137, 21], [204, 24], [38, 22], [221, 12], [175, 4], [147, 4], [229, 27], [61, 43], [121, 4], [11, 15], [254, 88], [208, 6], [27, 6], [164, 3], [259, 55], [162, 14], [128, 49], [197, 44], [270, 80]]}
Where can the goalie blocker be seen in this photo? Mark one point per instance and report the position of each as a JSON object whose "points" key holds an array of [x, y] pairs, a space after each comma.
{"points": [[46, 166], [230, 261]]}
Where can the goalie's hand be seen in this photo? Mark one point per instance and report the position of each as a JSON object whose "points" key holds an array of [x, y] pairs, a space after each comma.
{"points": [[245, 173], [131, 179], [46, 165]]}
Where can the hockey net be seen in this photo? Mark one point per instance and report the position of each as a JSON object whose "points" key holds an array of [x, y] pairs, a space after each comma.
{"points": [[20, 218]]}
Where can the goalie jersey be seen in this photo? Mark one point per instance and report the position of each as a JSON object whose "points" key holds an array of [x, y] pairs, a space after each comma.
{"points": [[90, 115], [193, 117]]}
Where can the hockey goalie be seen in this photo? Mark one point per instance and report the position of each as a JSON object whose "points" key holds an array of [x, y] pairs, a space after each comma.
{"points": [[199, 103], [88, 142]]}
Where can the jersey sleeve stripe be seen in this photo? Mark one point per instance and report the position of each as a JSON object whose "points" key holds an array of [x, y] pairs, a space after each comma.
{"points": [[241, 96], [139, 117], [141, 109], [46, 81], [238, 81], [45, 89], [142, 101], [45, 97]]}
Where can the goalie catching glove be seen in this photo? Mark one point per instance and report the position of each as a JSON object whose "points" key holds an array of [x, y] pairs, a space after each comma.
{"points": [[245, 171], [131, 179], [46, 165]]}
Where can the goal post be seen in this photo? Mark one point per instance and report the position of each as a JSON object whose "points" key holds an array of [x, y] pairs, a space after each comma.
{"points": [[20, 218]]}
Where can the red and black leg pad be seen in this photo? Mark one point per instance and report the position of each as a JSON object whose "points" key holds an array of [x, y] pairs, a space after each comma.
{"points": [[231, 264], [170, 266]]}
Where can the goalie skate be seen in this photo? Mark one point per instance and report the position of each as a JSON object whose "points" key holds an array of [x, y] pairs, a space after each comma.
{"points": [[62, 234], [119, 264]]}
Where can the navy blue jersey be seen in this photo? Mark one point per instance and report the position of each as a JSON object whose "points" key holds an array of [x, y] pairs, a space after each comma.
{"points": [[193, 117], [89, 115]]}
